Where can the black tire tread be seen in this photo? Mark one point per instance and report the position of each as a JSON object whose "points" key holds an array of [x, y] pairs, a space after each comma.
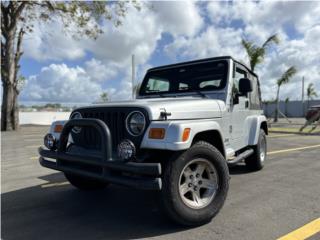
{"points": [[171, 201], [253, 162]]}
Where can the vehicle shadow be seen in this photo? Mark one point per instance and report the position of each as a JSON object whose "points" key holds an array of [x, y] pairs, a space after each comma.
{"points": [[239, 169], [56, 210]]}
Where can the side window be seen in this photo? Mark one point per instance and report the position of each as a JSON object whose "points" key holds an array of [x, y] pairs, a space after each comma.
{"points": [[255, 94], [157, 85], [239, 73]]}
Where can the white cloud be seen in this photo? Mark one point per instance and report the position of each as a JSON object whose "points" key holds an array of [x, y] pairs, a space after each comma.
{"points": [[303, 54], [100, 72], [59, 83], [194, 35], [256, 21], [178, 18], [49, 42], [210, 43]]}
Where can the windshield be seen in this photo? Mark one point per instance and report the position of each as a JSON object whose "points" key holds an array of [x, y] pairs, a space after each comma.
{"points": [[208, 76]]}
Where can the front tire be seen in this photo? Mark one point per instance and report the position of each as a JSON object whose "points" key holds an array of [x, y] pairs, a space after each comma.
{"points": [[255, 162], [85, 183], [195, 185]]}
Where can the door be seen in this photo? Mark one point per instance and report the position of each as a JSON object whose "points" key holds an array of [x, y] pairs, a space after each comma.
{"points": [[239, 111]]}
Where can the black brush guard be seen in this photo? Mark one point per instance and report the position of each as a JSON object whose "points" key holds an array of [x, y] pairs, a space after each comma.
{"points": [[132, 174]]}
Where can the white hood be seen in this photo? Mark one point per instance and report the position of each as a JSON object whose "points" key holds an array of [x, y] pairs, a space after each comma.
{"points": [[180, 108]]}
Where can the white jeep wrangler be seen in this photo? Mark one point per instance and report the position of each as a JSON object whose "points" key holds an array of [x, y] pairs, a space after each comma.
{"points": [[189, 122]]}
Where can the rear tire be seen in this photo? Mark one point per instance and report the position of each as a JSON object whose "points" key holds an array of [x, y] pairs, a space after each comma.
{"points": [[256, 161], [85, 183], [202, 169]]}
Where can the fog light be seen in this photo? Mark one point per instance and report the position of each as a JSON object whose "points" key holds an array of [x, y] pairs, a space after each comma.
{"points": [[50, 142], [126, 150]]}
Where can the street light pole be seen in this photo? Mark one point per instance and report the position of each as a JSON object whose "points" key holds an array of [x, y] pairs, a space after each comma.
{"points": [[133, 75], [302, 96]]}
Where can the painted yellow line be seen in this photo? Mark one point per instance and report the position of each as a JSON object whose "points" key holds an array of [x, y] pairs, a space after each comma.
{"points": [[281, 135], [304, 232], [54, 184], [293, 149], [34, 158]]}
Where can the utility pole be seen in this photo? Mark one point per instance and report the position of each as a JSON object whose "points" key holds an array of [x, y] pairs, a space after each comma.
{"points": [[302, 96], [133, 75]]}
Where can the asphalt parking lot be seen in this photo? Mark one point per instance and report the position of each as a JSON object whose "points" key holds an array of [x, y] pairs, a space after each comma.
{"points": [[38, 203]]}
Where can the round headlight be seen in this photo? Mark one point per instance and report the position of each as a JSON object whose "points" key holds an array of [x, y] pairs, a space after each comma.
{"points": [[50, 141], [136, 122], [76, 115]]}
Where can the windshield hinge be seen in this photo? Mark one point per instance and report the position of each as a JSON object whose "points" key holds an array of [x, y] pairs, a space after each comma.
{"points": [[164, 114]]}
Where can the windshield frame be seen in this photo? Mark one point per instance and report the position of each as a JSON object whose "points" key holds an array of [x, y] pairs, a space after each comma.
{"points": [[142, 92]]}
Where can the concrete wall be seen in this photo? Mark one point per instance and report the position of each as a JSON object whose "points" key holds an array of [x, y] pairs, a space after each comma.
{"points": [[290, 109], [42, 118]]}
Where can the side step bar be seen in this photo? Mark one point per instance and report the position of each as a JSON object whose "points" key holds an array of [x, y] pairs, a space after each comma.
{"points": [[240, 157]]}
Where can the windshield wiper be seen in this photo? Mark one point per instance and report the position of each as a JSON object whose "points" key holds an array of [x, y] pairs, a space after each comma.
{"points": [[199, 93]]}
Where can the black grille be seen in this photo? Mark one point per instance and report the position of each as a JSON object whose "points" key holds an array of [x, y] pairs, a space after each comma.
{"points": [[115, 118]]}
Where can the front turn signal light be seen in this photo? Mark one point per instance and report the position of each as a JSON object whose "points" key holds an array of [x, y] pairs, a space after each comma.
{"points": [[58, 128], [157, 133], [186, 134]]}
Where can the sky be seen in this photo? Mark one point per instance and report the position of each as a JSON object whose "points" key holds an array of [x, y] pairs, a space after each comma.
{"points": [[60, 68]]}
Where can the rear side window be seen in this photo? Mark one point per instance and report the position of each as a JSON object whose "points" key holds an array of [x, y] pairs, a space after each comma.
{"points": [[254, 96]]}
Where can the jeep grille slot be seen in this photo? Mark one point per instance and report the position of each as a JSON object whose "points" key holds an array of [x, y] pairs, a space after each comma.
{"points": [[115, 118]]}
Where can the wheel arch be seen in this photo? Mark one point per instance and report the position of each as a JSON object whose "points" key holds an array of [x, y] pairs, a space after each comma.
{"points": [[211, 136], [255, 123], [264, 126], [201, 129]]}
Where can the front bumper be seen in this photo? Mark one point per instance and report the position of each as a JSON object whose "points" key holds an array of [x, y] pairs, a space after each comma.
{"points": [[132, 174]]}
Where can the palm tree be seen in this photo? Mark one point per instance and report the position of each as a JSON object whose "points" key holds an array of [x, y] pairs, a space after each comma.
{"points": [[285, 78], [256, 53], [311, 92]]}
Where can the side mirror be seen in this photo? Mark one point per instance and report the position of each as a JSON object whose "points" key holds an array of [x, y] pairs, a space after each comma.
{"points": [[245, 85]]}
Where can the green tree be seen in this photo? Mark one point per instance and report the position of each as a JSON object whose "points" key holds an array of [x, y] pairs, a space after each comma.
{"points": [[17, 18], [104, 97], [284, 79], [256, 53], [311, 92]]}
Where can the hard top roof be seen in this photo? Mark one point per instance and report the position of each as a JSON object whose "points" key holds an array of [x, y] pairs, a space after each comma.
{"points": [[200, 61]]}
